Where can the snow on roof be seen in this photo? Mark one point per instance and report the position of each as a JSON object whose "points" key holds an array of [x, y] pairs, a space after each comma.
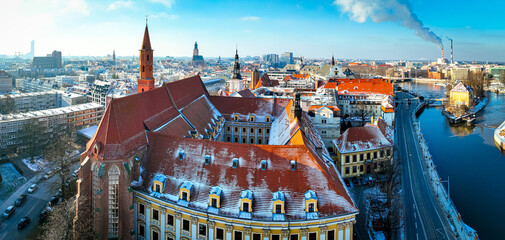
{"points": [[88, 132], [368, 137]]}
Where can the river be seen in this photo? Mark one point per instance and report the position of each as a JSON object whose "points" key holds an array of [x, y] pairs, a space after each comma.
{"points": [[469, 157]]}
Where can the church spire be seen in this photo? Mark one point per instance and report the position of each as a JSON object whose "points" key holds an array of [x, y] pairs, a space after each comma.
{"points": [[236, 67], [146, 80], [146, 43], [332, 60]]}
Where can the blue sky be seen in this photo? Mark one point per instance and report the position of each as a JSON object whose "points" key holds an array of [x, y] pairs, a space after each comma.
{"points": [[306, 28]]}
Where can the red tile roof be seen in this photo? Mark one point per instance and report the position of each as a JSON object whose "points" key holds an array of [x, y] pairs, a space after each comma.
{"points": [[364, 86], [228, 106], [296, 77], [368, 137], [312, 173], [265, 81]]}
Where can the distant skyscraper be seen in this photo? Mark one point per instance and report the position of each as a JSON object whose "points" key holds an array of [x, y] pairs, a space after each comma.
{"points": [[146, 80], [197, 59], [53, 60], [272, 59], [114, 56], [287, 58], [32, 49]]}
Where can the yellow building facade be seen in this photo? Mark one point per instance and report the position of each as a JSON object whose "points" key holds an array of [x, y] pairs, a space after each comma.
{"points": [[156, 219]]}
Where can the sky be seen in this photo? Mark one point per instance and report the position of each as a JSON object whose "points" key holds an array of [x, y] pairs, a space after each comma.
{"points": [[309, 28]]}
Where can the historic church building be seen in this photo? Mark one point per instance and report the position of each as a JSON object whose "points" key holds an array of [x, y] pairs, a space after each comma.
{"points": [[174, 162]]}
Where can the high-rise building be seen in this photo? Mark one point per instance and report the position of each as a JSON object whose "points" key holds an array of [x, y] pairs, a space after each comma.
{"points": [[5, 82], [146, 80], [197, 59], [287, 58], [272, 59], [53, 60], [114, 57]]}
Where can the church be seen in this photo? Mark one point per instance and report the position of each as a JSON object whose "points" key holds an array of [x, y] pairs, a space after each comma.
{"points": [[174, 162]]}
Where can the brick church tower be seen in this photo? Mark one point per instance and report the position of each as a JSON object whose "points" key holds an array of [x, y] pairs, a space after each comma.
{"points": [[146, 80]]}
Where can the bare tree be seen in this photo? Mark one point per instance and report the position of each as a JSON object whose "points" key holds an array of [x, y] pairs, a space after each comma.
{"points": [[476, 82], [33, 136], [391, 188], [62, 225], [7, 104], [59, 152]]}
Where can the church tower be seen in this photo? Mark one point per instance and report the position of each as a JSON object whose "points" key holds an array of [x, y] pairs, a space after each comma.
{"points": [[146, 80], [236, 82]]}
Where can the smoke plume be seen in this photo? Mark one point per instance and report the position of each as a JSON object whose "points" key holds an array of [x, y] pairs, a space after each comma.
{"points": [[397, 11]]}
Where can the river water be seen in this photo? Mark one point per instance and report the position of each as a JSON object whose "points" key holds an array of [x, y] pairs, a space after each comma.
{"points": [[469, 157]]}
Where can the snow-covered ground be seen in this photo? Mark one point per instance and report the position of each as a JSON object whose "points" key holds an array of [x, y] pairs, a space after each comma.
{"points": [[37, 165]]}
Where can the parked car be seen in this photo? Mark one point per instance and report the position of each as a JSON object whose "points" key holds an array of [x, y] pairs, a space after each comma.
{"points": [[53, 202], [58, 194], [8, 212], [48, 174], [23, 222], [43, 215], [32, 188], [355, 182], [74, 173], [21, 199], [347, 183]]}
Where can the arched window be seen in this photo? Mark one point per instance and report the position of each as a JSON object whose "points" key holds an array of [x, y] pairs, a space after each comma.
{"points": [[143, 68], [95, 169], [147, 57], [113, 201]]}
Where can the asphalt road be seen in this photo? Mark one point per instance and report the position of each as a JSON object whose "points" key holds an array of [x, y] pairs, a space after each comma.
{"points": [[425, 219]]}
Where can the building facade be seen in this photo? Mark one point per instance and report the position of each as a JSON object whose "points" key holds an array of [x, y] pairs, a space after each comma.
{"points": [[26, 102], [363, 150], [98, 92], [53, 121], [5, 82], [52, 60]]}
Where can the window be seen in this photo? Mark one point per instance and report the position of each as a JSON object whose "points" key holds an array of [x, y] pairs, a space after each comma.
{"points": [[260, 141], [113, 202], [311, 207], [235, 118], [170, 220], [368, 156], [312, 236], [143, 70], [388, 152], [185, 196], [228, 139], [156, 235], [252, 130], [238, 235], [361, 168], [202, 230], [245, 206], [331, 235], [243, 140], [347, 170], [294, 237], [219, 234], [251, 118], [268, 130], [147, 57], [142, 209], [158, 189], [278, 208], [361, 157], [251, 141], [374, 154], [267, 119], [354, 169], [354, 158], [236, 139], [213, 202], [156, 215], [382, 154], [236, 129], [346, 159], [142, 230], [276, 237], [243, 130], [323, 121], [185, 225], [228, 129], [256, 236]]}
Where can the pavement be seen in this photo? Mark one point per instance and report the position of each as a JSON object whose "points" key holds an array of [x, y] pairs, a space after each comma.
{"points": [[425, 218]]}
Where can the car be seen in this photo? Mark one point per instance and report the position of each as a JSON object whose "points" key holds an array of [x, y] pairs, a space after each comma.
{"points": [[48, 174], [8, 212], [43, 215], [347, 183], [74, 173], [355, 182], [58, 194], [32, 188], [23, 222], [53, 202], [21, 199]]}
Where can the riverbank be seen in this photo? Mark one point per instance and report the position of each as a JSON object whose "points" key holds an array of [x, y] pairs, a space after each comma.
{"points": [[429, 80], [499, 137], [461, 230]]}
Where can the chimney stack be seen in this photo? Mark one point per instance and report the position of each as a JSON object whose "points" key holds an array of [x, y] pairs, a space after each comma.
{"points": [[451, 52]]}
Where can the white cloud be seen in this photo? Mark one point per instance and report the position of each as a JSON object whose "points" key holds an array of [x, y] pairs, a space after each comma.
{"points": [[73, 6], [120, 4], [167, 3], [250, 18]]}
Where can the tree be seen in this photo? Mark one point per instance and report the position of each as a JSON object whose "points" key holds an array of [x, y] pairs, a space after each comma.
{"points": [[60, 224], [32, 134], [59, 152], [476, 82], [7, 104], [391, 187]]}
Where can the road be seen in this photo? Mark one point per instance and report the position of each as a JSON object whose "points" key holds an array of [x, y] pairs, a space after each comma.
{"points": [[32, 207], [425, 219]]}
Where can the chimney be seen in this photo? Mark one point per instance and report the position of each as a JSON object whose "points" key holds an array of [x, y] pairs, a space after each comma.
{"points": [[442, 54], [451, 52]]}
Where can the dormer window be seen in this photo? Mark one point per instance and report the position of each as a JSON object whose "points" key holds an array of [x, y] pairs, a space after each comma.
{"points": [[235, 117], [159, 183], [246, 198], [293, 165], [181, 154], [215, 197], [278, 201], [207, 159], [310, 201], [185, 191], [252, 118], [264, 165], [234, 163], [267, 118]]}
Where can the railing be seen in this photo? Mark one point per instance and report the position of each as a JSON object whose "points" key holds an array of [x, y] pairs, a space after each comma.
{"points": [[460, 229]]}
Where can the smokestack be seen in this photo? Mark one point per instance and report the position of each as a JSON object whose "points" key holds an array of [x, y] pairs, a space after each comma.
{"points": [[442, 54], [451, 52]]}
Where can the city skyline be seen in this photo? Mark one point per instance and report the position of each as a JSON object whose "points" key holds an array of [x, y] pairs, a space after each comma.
{"points": [[313, 30]]}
